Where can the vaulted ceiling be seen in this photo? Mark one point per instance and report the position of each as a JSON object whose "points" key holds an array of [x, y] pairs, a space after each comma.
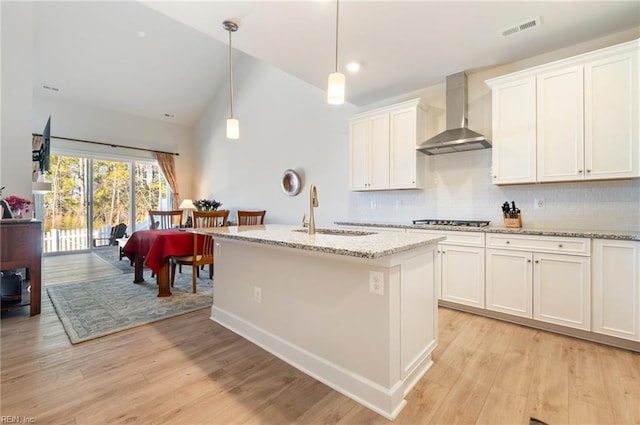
{"points": [[155, 58]]}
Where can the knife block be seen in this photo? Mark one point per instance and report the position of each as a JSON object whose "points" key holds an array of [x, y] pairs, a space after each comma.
{"points": [[513, 222]]}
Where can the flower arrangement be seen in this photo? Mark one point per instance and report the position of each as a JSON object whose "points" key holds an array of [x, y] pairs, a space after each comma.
{"points": [[17, 203], [207, 204]]}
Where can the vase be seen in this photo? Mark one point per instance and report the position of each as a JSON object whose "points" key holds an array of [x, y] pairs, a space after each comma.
{"points": [[16, 213]]}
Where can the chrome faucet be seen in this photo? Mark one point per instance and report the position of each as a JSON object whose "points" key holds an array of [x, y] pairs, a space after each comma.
{"points": [[313, 203]]}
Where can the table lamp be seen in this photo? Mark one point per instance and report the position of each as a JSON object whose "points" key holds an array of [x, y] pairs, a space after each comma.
{"points": [[187, 204]]}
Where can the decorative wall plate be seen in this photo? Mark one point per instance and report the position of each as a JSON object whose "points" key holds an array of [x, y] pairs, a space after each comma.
{"points": [[291, 184]]}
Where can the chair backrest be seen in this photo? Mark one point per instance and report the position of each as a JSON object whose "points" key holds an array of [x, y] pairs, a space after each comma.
{"points": [[250, 217], [117, 232], [165, 219], [203, 219]]}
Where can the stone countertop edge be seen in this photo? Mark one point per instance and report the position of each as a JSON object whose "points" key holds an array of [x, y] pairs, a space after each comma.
{"points": [[373, 246], [591, 234]]}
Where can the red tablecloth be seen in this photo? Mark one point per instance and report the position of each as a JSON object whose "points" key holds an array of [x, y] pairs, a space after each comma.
{"points": [[156, 246]]}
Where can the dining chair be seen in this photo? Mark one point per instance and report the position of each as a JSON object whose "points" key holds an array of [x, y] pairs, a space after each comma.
{"points": [[203, 256], [165, 219], [250, 217]]}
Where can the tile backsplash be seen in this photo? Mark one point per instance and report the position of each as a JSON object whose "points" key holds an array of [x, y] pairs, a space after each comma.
{"points": [[458, 186]]}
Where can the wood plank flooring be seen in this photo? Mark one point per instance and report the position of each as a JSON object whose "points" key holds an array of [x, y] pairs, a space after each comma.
{"points": [[189, 370], [81, 267]]}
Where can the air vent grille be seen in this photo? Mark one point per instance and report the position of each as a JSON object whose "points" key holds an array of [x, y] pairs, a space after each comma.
{"points": [[527, 25]]}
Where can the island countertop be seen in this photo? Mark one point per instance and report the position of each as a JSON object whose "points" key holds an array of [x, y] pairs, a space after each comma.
{"points": [[370, 245]]}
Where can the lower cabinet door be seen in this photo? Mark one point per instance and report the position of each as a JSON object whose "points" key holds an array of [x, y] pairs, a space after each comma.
{"points": [[561, 290], [616, 288], [509, 282], [462, 274]]}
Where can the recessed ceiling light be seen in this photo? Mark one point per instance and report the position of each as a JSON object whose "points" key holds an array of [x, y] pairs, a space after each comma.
{"points": [[142, 34], [353, 67]]}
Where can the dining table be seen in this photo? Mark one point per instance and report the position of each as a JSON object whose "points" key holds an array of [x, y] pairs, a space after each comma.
{"points": [[154, 249]]}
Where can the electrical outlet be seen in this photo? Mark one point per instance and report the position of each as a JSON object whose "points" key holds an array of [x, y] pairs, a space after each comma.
{"points": [[257, 294], [376, 283], [373, 205], [538, 203], [399, 203]]}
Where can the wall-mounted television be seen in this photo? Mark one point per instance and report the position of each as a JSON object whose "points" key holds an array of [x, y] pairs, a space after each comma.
{"points": [[42, 155]]}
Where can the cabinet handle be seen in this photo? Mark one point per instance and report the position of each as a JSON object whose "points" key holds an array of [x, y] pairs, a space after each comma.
{"points": [[580, 171], [528, 261], [508, 242], [537, 261], [559, 245], [495, 177], [444, 252], [588, 171]]}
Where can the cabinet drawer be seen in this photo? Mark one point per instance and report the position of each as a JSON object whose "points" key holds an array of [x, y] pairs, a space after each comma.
{"points": [[455, 238], [551, 244]]}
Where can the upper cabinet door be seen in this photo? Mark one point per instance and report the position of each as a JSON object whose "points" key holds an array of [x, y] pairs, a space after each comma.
{"points": [[514, 132], [560, 129], [359, 154], [379, 152], [402, 149], [611, 111]]}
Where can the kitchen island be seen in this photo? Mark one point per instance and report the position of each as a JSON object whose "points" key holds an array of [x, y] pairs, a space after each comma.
{"points": [[355, 310]]}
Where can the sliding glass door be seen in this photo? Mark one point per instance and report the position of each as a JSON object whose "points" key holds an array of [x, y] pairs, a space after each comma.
{"points": [[110, 199], [65, 207], [90, 196]]}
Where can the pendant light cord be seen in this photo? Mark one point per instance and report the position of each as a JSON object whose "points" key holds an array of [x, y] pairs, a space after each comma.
{"points": [[337, 12], [230, 74]]}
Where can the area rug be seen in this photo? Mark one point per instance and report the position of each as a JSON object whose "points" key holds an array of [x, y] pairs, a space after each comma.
{"points": [[105, 306]]}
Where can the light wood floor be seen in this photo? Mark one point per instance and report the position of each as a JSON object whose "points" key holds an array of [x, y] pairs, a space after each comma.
{"points": [[189, 370], [75, 268]]}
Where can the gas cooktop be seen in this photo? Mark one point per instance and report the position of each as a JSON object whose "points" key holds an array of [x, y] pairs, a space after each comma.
{"points": [[460, 223]]}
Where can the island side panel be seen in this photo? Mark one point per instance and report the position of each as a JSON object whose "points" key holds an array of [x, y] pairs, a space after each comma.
{"points": [[321, 305]]}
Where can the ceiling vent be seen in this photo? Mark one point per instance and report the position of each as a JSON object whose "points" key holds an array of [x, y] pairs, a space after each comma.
{"points": [[527, 25]]}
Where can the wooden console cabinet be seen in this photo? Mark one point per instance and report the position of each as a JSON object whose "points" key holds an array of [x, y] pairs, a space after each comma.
{"points": [[21, 247]]}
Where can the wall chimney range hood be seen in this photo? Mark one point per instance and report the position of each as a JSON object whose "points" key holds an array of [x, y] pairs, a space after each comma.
{"points": [[457, 137]]}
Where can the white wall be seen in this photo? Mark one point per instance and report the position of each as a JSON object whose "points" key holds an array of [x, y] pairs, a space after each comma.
{"points": [[459, 185], [100, 125], [284, 123], [17, 72]]}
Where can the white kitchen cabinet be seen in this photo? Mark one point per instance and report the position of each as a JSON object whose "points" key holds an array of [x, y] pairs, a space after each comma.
{"points": [[586, 111], [611, 117], [509, 282], [561, 290], [369, 152], [544, 278], [560, 125], [514, 131], [616, 288], [462, 274], [382, 147], [459, 267]]}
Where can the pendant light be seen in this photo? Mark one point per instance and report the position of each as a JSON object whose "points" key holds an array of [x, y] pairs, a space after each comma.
{"points": [[233, 126], [335, 90]]}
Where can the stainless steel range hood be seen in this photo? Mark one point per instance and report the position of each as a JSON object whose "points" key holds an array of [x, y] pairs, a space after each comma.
{"points": [[457, 137]]}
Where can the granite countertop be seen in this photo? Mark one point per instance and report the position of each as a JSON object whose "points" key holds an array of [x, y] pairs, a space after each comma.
{"points": [[370, 245], [591, 234]]}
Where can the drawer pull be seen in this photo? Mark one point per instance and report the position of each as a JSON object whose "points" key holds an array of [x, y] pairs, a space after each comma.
{"points": [[507, 242], [537, 261], [559, 245]]}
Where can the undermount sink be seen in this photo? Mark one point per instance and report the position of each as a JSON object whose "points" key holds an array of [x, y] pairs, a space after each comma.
{"points": [[337, 232]]}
